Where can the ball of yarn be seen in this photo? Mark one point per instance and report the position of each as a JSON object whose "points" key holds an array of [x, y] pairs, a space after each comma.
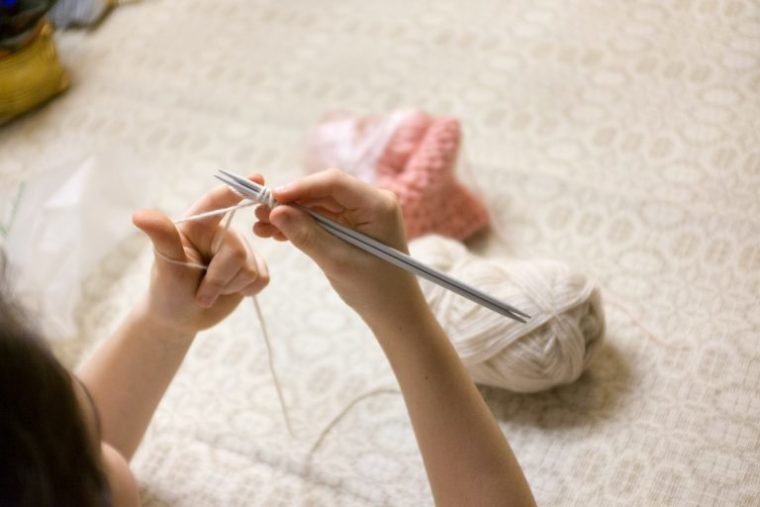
{"points": [[553, 348]]}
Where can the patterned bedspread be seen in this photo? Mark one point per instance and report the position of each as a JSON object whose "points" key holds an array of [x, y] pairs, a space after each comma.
{"points": [[619, 137]]}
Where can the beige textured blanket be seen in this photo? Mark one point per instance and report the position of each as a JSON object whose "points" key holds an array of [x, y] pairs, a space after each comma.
{"points": [[620, 137]]}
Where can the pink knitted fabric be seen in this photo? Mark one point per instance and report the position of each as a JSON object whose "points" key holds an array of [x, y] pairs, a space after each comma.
{"points": [[418, 164]]}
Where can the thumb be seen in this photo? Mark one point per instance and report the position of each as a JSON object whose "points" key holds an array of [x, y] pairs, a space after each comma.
{"points": [[162, 233], [301, 230]]}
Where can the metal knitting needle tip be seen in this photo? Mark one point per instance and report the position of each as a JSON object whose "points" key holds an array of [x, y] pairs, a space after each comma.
{"points": [[230, 185], [243, 181], [253, 190], [520, 313], [239, 189]]}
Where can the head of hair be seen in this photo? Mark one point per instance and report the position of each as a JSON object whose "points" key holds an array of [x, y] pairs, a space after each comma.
{"points": [[46, 456]]}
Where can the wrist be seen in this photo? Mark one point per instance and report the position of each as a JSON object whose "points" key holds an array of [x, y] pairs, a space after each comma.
{"points": [[158, 326], [400, 315]]}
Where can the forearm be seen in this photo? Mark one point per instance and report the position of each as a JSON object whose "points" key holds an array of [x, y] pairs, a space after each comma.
{"points": [[467, 458], [468, 461], [129, 374]]}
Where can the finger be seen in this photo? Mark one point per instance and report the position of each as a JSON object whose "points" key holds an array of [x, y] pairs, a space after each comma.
{"points": [[162, 233], [251, 289], [244, 278], [268, 231], [219, 197], [261, 281], [332, 183], [264, 230], [332, 211], [255, 287], [323, 203], [262, 213], [303, 231], [252, 277], [253, 269], [261, 267], [201, 231], [224, 267]]}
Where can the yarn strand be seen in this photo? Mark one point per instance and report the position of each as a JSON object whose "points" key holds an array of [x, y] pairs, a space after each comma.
{"points": [[265, 333], [222, 211], [272, 370], [340, 415], [257, 308]]}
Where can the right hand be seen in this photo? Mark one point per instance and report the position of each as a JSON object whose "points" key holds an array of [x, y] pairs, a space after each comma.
{"points": [[372, 287]]}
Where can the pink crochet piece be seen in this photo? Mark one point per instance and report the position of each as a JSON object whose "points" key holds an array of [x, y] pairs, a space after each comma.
{"points": [[417, 164]]}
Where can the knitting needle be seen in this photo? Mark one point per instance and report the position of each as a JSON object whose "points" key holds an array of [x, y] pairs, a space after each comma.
{"points": [[255, 191], [385, 252], [391, 255]]}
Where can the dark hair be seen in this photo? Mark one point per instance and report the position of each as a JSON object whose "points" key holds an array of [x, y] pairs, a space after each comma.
{"points": [[46, 456]]}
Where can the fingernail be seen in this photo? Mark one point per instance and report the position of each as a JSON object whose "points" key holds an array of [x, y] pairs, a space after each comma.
{"points": [[205, 301], [281, 189]]}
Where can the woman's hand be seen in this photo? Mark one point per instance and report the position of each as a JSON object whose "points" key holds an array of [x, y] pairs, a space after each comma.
{"points": [[129, 373], [467, 458], [185, 299], [374, 288]]}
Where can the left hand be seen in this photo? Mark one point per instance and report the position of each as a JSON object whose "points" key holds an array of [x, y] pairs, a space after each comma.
{"points": [[187, 299]]}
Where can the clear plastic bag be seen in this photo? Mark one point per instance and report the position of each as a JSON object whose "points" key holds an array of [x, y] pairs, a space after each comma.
{"points": [[56, 227], [352, 143]]}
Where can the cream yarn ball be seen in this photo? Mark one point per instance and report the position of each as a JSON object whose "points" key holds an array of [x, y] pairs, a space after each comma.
{"points": [[553, 348]]}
